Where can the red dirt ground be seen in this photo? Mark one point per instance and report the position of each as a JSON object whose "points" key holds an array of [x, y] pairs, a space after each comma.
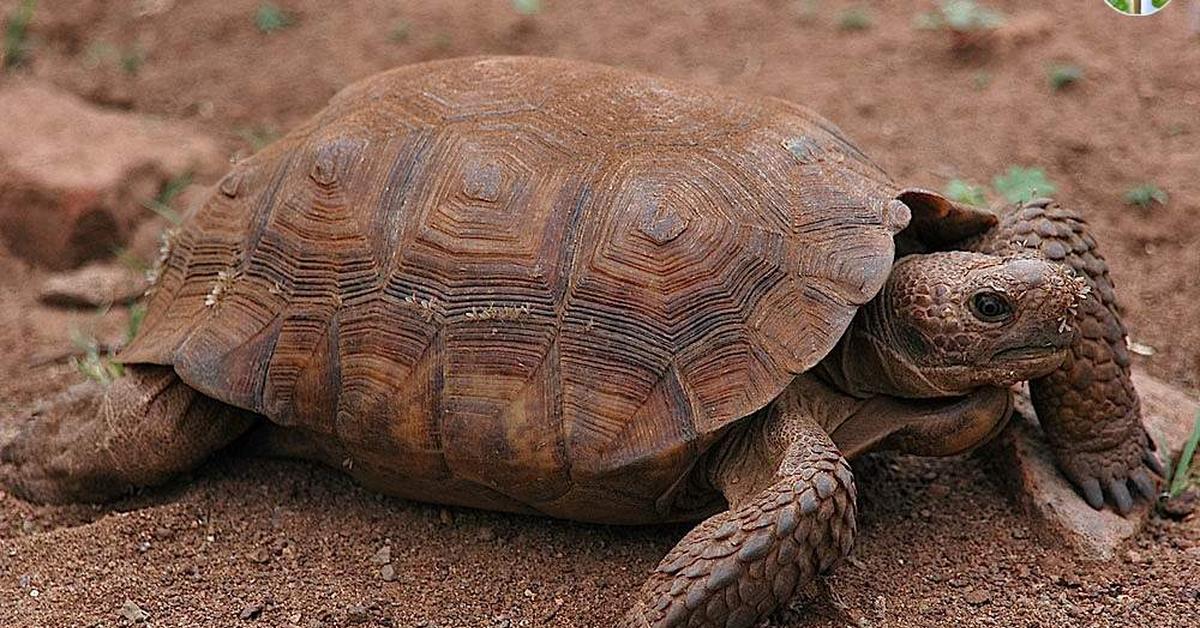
{"points": [[286, 543]]}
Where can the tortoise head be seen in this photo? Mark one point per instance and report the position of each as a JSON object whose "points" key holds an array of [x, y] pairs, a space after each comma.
{"points": [[950, 322]]}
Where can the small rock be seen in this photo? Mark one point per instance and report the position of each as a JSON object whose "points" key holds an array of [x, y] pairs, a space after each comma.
{"points": [[251, 612], [357, 615], [446, 517], [132, 612], [1054, 504], [383, 556], [486, 534], [24, 581], [1020, 533], [388, 573], [977, 597], [77, 177]]}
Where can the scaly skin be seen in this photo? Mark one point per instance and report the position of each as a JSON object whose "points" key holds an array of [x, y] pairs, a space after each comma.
{"points": [[1088, 408], [94, 442], [739, 565]]}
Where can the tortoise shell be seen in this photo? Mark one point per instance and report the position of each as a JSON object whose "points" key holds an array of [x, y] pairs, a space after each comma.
{"points": [[531, 276]]}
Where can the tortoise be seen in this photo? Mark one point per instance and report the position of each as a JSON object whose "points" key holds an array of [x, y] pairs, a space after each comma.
{"points": [[554, 287]]}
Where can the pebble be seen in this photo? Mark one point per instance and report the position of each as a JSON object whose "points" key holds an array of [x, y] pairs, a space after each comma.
{"points": [[388, 573], [383, 556], [251, 612], [977, 597], [132, 612], [357, 614], [446, 517]]}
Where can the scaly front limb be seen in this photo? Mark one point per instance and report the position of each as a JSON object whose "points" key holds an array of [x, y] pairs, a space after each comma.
{"points": [[1088, 408], [791, 517]]}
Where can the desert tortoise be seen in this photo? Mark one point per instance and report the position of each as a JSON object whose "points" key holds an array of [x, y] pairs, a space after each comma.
{"points": [[555, 287]]}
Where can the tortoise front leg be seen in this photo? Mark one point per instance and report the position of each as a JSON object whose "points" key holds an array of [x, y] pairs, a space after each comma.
{"points": [[791, 517], [96, 442], [1088, 408]]}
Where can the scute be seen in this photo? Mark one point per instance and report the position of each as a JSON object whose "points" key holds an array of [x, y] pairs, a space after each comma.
{"points": [[536, 275]]}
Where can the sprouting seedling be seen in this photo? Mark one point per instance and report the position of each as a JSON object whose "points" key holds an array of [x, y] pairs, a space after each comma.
{"points": [[965, 192], [16, 34], [1023, 184], [1063, 76], [960, 16], [270, 18], [855, 19], [1145, 194], [399, 33], [527, 7], [1183, 468], [94, 364]]}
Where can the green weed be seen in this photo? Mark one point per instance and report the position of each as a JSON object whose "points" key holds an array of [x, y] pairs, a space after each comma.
{"points": [[399, 33], [94, 364], [527, 7], [1023, 184], [270, 18], [1183, 468], [855, 19], [1145, 194], [964, 192], [1064, 76], [960, 16], [16, 35]]}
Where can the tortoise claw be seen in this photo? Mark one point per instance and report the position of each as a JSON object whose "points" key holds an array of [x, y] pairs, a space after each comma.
{"points": [[1145, 484], [1092, 493], [1121, 498], [1150, 458]]}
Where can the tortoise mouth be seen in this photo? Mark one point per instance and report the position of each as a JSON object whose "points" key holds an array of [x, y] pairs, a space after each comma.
{"points": [[1046, 357]]}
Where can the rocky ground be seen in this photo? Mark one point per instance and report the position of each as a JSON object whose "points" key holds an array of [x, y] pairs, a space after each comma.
{"points": [[123, 111]]}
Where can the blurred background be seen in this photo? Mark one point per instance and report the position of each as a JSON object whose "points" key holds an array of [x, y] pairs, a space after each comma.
{"points": [[114, 114]]}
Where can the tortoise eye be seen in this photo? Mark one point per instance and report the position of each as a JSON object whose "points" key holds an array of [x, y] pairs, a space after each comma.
{"points": [[991, 307]]}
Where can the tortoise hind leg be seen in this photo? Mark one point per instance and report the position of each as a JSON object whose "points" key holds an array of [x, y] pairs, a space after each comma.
{"points": [[95, 442], [791, 517]]}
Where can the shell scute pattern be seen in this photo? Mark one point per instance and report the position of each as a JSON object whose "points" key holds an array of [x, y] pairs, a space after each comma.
{"points": [[528, 274]]}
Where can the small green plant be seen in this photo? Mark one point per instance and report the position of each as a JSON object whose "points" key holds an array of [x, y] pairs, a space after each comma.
{"points": [[1064, 76], [16, 34], [132, 59], [257, 136], [1145, 194], [94, 364], [1120, 5], [1022, 184], [855, 19], [137, 314], [981, 79], [270, 18], [162, 204], [1183, 469], [964, 192], [527, 7], [960, 16], [399, 33]]}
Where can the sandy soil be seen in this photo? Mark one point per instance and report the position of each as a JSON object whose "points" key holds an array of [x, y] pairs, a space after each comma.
{"points": [[247, 541]]}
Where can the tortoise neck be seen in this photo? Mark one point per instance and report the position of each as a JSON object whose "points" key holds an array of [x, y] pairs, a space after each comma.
{"points": [[872, 358]]}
